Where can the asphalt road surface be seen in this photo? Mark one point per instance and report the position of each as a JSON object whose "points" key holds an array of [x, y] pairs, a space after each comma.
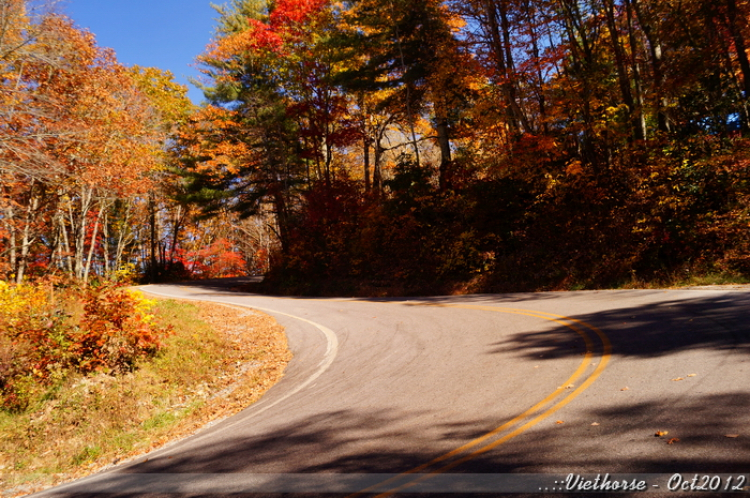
{"points": [[492, 394]]}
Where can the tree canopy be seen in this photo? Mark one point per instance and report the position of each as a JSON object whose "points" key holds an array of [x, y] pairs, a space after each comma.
{"points": [[435, 144]]}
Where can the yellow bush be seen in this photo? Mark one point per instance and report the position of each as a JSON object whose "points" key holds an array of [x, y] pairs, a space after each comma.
{"points": [[143, 306], [19, 302]]}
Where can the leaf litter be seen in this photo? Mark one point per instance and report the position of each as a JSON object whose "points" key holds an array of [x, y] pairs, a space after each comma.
{"points": [[259, 354]]}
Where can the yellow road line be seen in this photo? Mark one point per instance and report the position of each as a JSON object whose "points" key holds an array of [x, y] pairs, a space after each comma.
{"points": [[607, 348], [561, 319]]}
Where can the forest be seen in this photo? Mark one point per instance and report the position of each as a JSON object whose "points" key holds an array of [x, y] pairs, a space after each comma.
{"points": [[383, 147]]}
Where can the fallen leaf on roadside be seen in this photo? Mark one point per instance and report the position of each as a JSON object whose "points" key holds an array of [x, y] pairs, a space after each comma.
{"points": [[673, 440], [626, 388], [692, 375], [595, 423], [559, 422], [678, 378], [661, 433], [731, 435]]}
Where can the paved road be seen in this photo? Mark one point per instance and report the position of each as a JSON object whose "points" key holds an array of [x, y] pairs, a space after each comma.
{"points": [[481, 393]]}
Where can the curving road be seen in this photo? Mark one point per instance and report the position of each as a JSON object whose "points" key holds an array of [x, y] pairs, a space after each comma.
{"points": [[484, 393]]}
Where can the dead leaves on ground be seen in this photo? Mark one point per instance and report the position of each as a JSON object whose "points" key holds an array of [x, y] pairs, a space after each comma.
{"points": [[676, 379], [672, 440], [677, 440]]}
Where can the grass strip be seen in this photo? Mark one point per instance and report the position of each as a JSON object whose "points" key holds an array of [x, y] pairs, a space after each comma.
{"points": [[219, 360]]}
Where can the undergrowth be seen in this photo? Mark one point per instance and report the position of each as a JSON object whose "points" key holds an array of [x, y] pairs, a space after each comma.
{"points": [[80, 415]]}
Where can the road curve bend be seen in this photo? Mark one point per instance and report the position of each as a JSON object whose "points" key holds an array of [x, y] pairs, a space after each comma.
{"points": [[487, 393]]}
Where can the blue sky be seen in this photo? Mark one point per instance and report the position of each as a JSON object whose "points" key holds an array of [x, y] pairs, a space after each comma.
{"points": [[167, 34]]}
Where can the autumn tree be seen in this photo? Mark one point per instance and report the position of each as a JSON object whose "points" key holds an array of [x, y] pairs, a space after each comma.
{"points": [[408, 51], [79, 135], [452, 139], [22, 161], [274, 122], [163, 213]]}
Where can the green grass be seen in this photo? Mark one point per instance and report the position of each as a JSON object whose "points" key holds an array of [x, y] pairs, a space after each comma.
{"points": [[713, 279], [685, 279]]}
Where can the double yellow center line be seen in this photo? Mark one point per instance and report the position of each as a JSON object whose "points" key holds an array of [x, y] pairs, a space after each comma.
{"points": [[525, 420]]}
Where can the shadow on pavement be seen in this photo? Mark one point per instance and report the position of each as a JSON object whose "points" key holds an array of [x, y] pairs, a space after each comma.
{"points": [[720, 322], [624, 444], [622, 441]]}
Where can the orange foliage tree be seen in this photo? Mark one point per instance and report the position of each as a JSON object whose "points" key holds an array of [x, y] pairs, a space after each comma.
{"points": [[80, 139], [275, 122]]}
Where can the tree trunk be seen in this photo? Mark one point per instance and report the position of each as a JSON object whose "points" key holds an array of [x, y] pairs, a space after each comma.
{"points": [[445, 148], [27, 239], [68, 264], [281, 217], [87, 194], [377, 179], [92, 244], [655, 49], [638, 90], [499, 43], [581, 62], [735, 22], [176, 226], [122, 240], [408, 86], [105, 247], [536, 52], [365, 140], [366, 148], [12, 243], [152, 238], [622, 72]]}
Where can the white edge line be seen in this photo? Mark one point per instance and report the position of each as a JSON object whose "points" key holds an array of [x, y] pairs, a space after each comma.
{"points": [[331, 352], [332, 348]]}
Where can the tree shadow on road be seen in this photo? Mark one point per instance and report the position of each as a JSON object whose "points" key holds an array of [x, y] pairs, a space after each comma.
{"points": [[617, 436], [623, 443], [720, 322], [664, 324]]}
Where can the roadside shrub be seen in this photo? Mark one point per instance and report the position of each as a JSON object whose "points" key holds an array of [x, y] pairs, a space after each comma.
{"points": [[46, 334], [115, 331]]}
